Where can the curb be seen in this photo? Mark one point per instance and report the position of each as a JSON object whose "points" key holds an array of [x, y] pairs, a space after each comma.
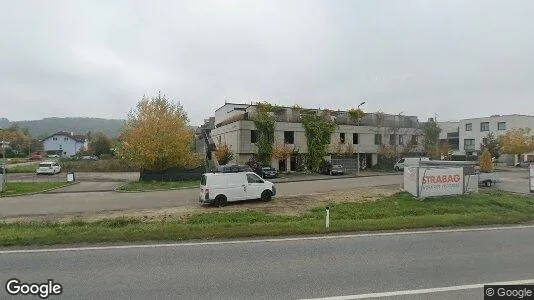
{"points": [[40, 192], [118, 189]]}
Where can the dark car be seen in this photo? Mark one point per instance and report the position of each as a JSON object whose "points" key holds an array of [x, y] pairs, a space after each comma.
{"points": [[337, 170], [267, 172]]}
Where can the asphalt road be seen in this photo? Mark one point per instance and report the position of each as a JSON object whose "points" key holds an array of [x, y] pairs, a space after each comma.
{"points": [[104, 201], [287, 268]]}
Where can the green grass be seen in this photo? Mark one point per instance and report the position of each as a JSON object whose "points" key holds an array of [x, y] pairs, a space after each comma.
{"points": [[22, 169], [16, 160], [158, 185], [400, 211], [14, 188]]}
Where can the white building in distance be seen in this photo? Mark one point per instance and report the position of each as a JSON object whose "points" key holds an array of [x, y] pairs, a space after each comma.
{"points": [[468, 134]]}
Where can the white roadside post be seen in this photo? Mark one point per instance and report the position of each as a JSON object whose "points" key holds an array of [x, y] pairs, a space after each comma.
{"points": [[327, 217]]}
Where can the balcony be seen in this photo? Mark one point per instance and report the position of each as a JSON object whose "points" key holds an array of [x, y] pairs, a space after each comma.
{"points": [[338, 117]]}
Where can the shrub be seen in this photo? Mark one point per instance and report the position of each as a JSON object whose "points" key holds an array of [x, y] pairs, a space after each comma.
{"points": [[486, 164]]}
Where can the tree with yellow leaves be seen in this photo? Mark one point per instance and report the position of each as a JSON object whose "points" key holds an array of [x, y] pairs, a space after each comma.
{"points": [[486, 164], [517, 141], [156, 136], [224, 154], [282, 151]]}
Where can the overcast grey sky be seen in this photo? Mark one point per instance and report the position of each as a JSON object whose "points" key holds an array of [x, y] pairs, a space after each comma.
{"points": [[97, 58]]}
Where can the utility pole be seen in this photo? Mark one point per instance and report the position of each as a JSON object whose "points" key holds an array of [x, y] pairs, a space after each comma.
{"points": [[358, 146]]}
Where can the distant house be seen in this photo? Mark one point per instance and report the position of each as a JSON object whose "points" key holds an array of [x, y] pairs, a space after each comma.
{"points": [[64, 143]]}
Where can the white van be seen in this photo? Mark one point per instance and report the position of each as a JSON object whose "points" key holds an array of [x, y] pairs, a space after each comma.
{"points": [[220, 188], [408, 161]]}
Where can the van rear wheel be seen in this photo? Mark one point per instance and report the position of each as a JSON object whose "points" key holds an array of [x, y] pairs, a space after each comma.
{"points": [[220, 200], [266, 196]]}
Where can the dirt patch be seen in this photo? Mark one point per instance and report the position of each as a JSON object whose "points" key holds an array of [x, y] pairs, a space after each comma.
{"points": [[281, 206]]}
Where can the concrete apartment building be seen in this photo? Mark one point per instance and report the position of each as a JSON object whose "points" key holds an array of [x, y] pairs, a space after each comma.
{"points": [[471, 132], [233, 125]]}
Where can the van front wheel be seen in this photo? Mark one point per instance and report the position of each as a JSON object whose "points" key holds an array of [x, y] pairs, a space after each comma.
{"points": [[266, 196], [220, 200]]}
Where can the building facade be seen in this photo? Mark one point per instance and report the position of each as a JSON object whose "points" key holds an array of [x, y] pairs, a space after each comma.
{"points": [[64, 143], [233, 125], [471, 132]]}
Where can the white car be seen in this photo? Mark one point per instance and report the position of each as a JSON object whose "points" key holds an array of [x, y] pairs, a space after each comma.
{"points": [[220, 188], [48, 167]]}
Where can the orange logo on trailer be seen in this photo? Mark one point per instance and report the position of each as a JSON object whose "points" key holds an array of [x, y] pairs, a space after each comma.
{"points": [[441, 179]]}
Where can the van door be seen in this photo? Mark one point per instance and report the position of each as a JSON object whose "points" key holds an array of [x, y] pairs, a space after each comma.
{"points": [[236, 187], [255, 186]]}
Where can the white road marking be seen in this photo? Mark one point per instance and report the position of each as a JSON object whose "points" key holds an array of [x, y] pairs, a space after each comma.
{"points": [[424, 291], [309, 238]]}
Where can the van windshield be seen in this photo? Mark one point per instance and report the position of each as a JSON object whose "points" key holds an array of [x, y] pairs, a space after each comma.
{"points": [[45, 165], [203, 180]]}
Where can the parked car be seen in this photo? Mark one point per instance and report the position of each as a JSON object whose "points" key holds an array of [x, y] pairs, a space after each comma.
{"points": [[35, 156], [48, 167], [267, 172], [220, 188], [53, 156], [406, 161], [337, 170]]}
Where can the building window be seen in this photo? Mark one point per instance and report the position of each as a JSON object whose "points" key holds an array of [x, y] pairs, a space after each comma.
{"points": [[355, 138], [413, 141], [253, 136], [54, 139], [60, 147], [484, 126], [378, 139], [342, 138], [468, 126], [401, 140], [469, 144], [66, 139], [393, 139], [289, 137], [501, 126], [219, 138]]}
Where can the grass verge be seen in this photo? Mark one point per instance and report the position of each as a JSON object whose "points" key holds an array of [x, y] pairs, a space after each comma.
{"points": [[399, 211], [22, 169], [140, 186], [16, 188]]}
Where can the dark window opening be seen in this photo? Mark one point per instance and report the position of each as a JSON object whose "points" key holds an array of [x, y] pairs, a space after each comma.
{"points": [[289, 137], [342, 138], [355, 138], [392, 139], [378, 139], [253, 136]]}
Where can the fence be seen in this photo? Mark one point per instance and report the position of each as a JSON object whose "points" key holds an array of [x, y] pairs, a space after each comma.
{"points": [[173, 174]]}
